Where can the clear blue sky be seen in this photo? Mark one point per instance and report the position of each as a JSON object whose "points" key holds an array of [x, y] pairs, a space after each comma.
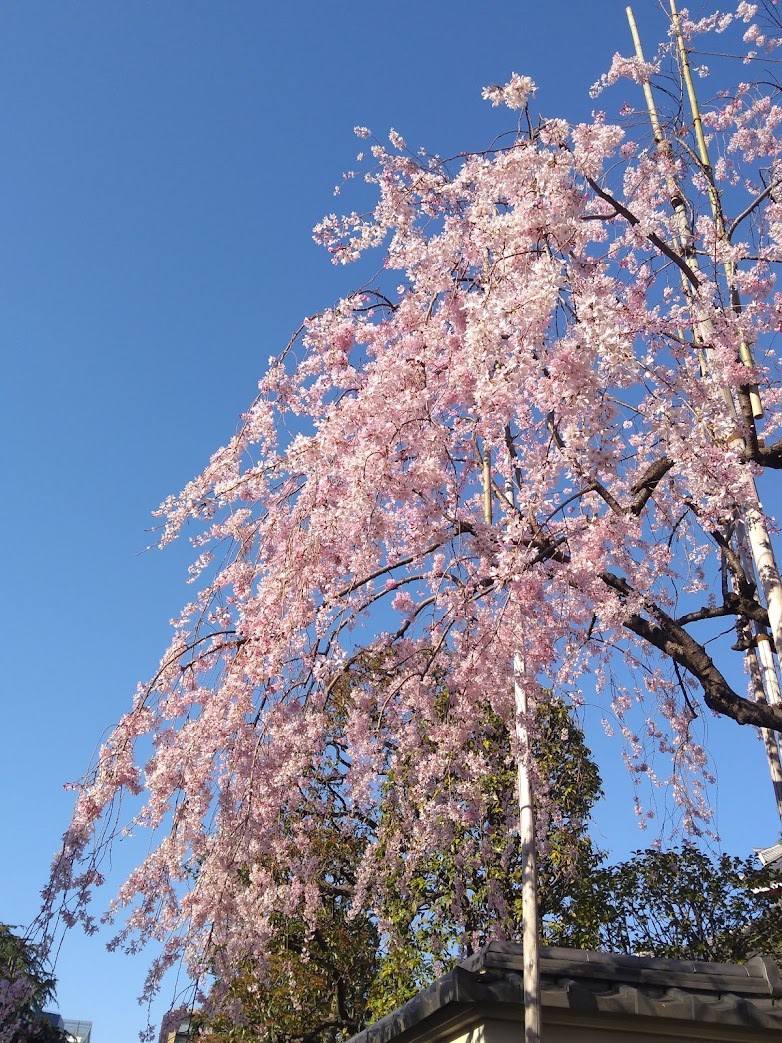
{"points": [[163, 165]]}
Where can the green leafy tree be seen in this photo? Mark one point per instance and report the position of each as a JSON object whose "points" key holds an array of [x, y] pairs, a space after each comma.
{"points": [[26, 985], [474, 887], [681, 904], [315, 985]]}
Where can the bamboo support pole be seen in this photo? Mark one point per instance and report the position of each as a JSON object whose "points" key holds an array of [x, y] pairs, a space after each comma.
{"points": [[755, 669], [774, 765], [676, 197], [719, 220], [765, 566], [487, 504], [765, 655]]}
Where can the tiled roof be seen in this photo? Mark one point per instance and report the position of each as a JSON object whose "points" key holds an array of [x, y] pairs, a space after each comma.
{"points": [[769, 856], [576, 982]]}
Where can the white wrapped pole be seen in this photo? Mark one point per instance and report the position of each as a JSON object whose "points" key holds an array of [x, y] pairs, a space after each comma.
{"points": [[529, 871], [763, 671], [530, 938]]}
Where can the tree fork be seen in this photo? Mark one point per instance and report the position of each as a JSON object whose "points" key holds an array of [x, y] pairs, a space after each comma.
{"points": [[668, 637]]}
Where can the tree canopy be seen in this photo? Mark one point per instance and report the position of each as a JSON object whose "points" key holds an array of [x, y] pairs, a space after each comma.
{"points": [[26, 984], [329, 980], [682, 904], [677, 904], [525, 454]]}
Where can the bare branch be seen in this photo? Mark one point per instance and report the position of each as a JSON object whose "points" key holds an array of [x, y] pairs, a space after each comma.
{"points": [[752, 206], [653, 237], [734, 605]]}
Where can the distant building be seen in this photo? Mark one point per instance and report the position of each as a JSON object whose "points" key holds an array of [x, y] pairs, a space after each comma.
{"points": [[177, 1031], [592, 997], [76, 1031], [771, 857]]}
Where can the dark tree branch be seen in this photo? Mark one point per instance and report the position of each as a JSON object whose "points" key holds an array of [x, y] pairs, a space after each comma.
{"points": [[752, 446], [734, 605], [653, 237], [645, 486], [748, 210], [665, 634], [745, 585], [766, 456]]}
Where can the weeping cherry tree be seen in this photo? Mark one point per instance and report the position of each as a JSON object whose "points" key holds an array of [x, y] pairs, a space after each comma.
{"points": [[525, 455]]}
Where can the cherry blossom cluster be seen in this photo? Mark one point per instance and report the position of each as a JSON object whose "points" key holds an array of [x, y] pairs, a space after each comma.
{"points": [[16, 994]]}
